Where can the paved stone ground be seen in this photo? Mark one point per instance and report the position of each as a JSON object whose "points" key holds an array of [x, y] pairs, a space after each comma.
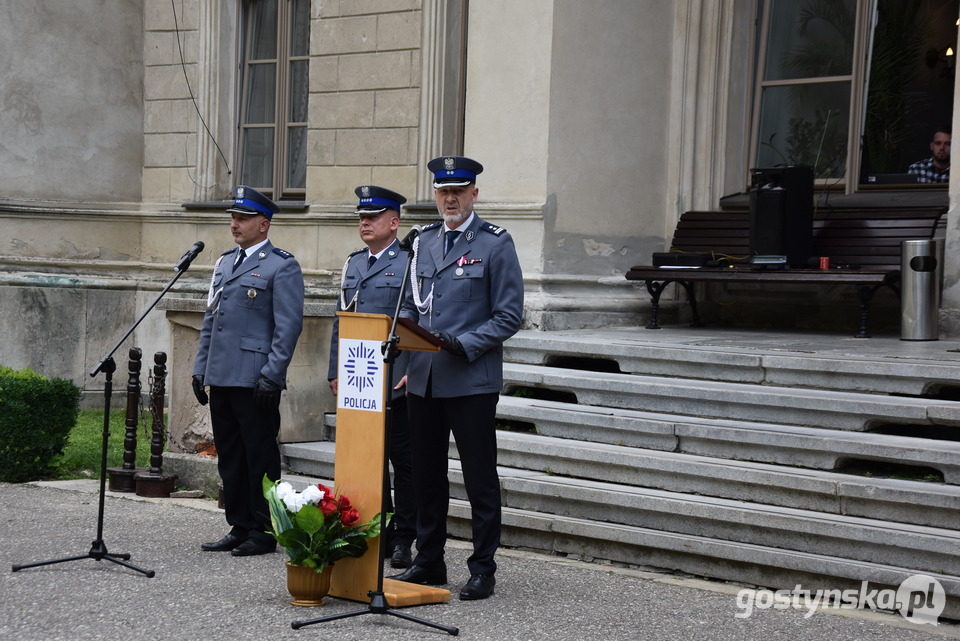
{"points": [[206, 596]]}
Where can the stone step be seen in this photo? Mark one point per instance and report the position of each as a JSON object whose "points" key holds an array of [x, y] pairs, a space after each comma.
{"points": [[522, 456], [762, 403], [781, 360], [745, 563], [816, 448], [644, 465], [757, 544], [921, 548]]}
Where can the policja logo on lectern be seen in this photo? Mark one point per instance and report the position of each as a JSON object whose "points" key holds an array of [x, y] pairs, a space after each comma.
{"points": [[361, 375]]}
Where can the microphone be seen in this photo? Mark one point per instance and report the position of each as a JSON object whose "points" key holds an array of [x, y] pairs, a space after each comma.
{"points": [[407, 242], [188, 257]]}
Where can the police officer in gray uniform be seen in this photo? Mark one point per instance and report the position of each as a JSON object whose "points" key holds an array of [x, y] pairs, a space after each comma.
{"points": [[467, 288], [253, 320], [371, 284]]}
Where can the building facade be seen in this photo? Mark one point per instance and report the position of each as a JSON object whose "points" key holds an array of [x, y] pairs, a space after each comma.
{"points": [[127, 123]]}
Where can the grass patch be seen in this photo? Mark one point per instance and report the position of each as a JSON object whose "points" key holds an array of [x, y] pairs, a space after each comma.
{"points": [[81, 456]]}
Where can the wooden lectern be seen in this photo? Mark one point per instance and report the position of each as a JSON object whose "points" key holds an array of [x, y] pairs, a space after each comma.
{"points": [[359, 455]]}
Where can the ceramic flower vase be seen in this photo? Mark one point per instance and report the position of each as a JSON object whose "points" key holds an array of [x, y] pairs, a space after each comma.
{"points": [[307, 586]]}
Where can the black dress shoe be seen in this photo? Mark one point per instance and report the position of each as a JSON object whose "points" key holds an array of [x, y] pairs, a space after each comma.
{"points": [[253, 547], [480, 586], [401, 557], [423, 575], [229, 542]]}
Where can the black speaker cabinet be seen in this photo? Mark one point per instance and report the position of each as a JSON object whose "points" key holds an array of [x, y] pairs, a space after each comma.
{"points": [[781, 213]]}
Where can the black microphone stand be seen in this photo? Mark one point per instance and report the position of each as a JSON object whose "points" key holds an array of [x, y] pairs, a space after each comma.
{"points": [[378, 601], [98, 550]]}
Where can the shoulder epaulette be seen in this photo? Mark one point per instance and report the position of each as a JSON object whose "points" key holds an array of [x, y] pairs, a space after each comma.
{"points": [[229, 251], [283, 253], [357, 251], [496, 230], [432, 226]]}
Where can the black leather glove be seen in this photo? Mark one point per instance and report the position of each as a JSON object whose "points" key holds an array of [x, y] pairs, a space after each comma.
{"points": [[452, 345], [198, 390], [266, 393]]}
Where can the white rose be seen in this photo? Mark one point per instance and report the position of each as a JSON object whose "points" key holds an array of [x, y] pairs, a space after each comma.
{"points": [[294, 502], [312, 495], [283, 489]]}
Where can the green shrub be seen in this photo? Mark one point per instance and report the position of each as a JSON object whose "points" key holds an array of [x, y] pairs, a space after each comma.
{"points": [[36, 415]]}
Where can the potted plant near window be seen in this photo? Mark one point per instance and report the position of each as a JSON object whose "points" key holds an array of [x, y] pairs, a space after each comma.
{"points": [[316, 528]]}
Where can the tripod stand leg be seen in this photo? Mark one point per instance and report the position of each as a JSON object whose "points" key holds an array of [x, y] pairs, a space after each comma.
{"points": [[378, 605], [98, 549], [24, 566], [120, 561], [98, 552], [449, 629], [296, 625]]}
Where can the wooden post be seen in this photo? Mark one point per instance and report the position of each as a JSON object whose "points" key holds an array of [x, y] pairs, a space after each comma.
{"points": [[157, 392], [121, 478], [155, 483]]}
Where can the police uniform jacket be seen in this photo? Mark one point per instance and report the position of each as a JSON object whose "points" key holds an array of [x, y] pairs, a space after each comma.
{"points": [[477, 296], [371, 291], [253, 320]]}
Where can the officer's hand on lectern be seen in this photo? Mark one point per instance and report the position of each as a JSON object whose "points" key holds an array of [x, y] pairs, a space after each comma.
{"points": [[450, 343], [198, 390]]}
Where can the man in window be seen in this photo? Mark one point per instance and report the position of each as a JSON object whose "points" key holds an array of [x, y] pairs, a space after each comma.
{"points": [[935, 169]]}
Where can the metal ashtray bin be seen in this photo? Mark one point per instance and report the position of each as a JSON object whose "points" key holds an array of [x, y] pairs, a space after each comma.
{"points": [[921, 271]]}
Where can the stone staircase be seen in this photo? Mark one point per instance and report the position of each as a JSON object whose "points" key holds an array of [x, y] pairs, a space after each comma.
{"points": [[761, 459]]}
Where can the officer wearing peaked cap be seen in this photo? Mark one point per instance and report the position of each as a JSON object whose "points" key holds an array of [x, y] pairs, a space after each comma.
{"points": [[467, 288], [454, 171], [247, 200], [250, 329], [370, 283]]}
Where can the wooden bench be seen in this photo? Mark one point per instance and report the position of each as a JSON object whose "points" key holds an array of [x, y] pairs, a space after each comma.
{"points": [[863, 245]]}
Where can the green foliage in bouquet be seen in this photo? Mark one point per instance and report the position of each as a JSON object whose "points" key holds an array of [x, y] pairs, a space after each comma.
{"points": [[316, 527]]}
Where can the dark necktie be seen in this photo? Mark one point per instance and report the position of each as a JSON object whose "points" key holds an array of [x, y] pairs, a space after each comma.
{"points": [[371, 261], [240, 258], [450, 238]]}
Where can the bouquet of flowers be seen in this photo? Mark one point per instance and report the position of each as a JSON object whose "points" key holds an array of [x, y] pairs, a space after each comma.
{"points": [[315, 527]]}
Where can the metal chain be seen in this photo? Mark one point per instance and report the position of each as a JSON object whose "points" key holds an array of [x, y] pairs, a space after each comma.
{"points": [[143, 412], [154, 390]]}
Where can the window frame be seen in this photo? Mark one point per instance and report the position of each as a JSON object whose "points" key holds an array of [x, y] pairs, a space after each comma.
{"points": [[281, 126], [865, 22]]}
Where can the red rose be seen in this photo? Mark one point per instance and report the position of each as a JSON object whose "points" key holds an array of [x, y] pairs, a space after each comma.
{"points": [[350, 517], [328, 505], [344, 503]]}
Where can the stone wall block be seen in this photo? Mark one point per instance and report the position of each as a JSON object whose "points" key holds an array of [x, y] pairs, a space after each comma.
{"points": [[161, 48], [400, 108], [168, 82], [336, 185], [359, 7], [169, 116], [324, 74], [376, 71], [342, 110], [345, 35], [398, 31], [321, 147], [372, 147], [169, 150]]}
